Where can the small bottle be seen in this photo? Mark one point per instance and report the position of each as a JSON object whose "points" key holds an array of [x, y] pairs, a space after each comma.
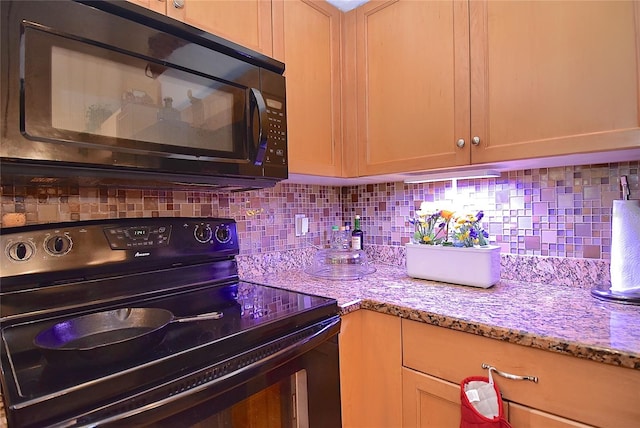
{"points": [[344, 238], [357, 235], [335, 241]]}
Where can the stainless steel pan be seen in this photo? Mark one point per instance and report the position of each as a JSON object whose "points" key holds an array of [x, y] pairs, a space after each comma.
{"points": [[109, 336]]}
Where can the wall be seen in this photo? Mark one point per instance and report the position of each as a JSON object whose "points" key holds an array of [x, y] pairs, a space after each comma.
{"points": [[562, 212]]}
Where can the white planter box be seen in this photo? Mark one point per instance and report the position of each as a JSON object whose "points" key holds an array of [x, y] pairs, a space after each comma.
{"points": [[477, 267]]}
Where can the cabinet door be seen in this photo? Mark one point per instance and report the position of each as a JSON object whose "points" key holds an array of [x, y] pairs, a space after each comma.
{"points": [[412, 85], [246, 22], [307, 40], [428, 401], [370, 370], [526, 417], [553, 77], [159, 6]]}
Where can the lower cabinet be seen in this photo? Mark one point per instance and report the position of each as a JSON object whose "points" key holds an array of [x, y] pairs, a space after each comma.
{"points": [[401, 373], [429, 401], [570, 392], [432, 402], [526, 417], [370, 370]]}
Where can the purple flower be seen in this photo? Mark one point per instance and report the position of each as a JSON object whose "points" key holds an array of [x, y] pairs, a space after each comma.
{"points": [[479, 215]]}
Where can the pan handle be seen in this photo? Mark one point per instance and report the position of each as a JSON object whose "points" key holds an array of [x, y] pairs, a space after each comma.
{"points": [[201, 317]]}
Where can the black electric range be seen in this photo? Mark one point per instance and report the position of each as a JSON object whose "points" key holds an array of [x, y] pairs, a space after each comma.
{"points": [[58, 272]]}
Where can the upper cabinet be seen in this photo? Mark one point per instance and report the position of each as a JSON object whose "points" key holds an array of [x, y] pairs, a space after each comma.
{"points": [[554, 78], [444, 84], [246, 22], [412, 85], [307, 38], [396, 86]]}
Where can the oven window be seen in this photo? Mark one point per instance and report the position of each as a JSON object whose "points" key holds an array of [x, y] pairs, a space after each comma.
{"points": [[91, 94], [282, 404]]}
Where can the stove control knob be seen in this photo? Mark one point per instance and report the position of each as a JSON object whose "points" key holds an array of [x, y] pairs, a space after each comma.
{"points": [[58, 245], [223, 234], [20, 251], [203, 233]]}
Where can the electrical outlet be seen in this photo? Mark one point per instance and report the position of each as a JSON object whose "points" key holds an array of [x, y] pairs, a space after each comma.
{"points": [[301, 224]]}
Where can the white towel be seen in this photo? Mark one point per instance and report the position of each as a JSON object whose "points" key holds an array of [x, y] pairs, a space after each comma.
{"points": [[625, 246]]}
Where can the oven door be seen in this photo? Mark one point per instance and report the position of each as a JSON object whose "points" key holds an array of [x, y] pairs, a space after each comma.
{"points": [[303, 393], [291, 382]]}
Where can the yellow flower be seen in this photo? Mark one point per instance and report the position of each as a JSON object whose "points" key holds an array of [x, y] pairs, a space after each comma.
{"points": [[446, 214]]}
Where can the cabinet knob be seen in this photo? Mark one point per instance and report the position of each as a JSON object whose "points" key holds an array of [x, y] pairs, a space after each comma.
{"points": [[475, 140], [178, 4], [460, 143]]}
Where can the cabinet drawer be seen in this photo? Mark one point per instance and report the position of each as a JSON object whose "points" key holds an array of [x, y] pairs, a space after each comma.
{"points": [[582, 390]]}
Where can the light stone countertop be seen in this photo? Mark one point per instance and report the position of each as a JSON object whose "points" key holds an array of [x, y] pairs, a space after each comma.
{"points": [[557, 318]]}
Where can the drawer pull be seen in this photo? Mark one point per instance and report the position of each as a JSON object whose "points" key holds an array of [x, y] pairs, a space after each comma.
{"points": [[533, 379]]}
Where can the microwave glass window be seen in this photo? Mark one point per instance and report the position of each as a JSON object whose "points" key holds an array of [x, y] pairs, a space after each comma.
{"points": [[122, 97], [115, 99]]}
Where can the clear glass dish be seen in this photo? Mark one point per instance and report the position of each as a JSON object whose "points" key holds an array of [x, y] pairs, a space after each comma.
{"points": [[340, 264]]}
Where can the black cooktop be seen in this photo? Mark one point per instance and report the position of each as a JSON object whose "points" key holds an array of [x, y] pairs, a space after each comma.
{"points": [[252, 314]]}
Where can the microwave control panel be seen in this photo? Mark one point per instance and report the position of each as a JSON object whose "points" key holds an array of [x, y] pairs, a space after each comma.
{"points": [[277, 132]]}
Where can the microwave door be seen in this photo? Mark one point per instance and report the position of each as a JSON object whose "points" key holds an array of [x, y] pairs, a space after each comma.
{"points": [[259, 124]]}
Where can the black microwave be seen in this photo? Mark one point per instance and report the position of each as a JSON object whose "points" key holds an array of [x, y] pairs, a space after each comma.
{"points": [[120, 94]]}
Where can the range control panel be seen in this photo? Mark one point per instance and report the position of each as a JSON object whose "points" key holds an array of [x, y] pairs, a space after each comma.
{"points": [[122, 238], [90, 244]]}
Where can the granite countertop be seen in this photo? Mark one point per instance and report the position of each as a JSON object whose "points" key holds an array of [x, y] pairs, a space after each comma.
{"points": [[557, 318]]}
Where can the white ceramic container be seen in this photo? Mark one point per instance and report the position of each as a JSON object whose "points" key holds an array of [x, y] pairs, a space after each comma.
{"points": [[474, 266]]}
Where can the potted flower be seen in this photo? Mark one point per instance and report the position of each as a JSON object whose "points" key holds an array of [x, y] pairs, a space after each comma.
{"points": [[452, 247]]}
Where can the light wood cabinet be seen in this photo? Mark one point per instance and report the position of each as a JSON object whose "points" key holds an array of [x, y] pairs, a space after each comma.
{"points": [[159, 6], [247, 22], [529, 79], [429, 401], [554, 77], [396, 86], [571, 392], [307, 38], [435, 403], [370, 370], [412, 85], [526, 417]]}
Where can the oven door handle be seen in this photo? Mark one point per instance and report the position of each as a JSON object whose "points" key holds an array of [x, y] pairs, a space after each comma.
{"points": [[209, 382]]}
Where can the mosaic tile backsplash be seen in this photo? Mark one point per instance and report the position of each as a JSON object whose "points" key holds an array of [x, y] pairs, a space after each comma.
{"points": [[564, 212]]}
